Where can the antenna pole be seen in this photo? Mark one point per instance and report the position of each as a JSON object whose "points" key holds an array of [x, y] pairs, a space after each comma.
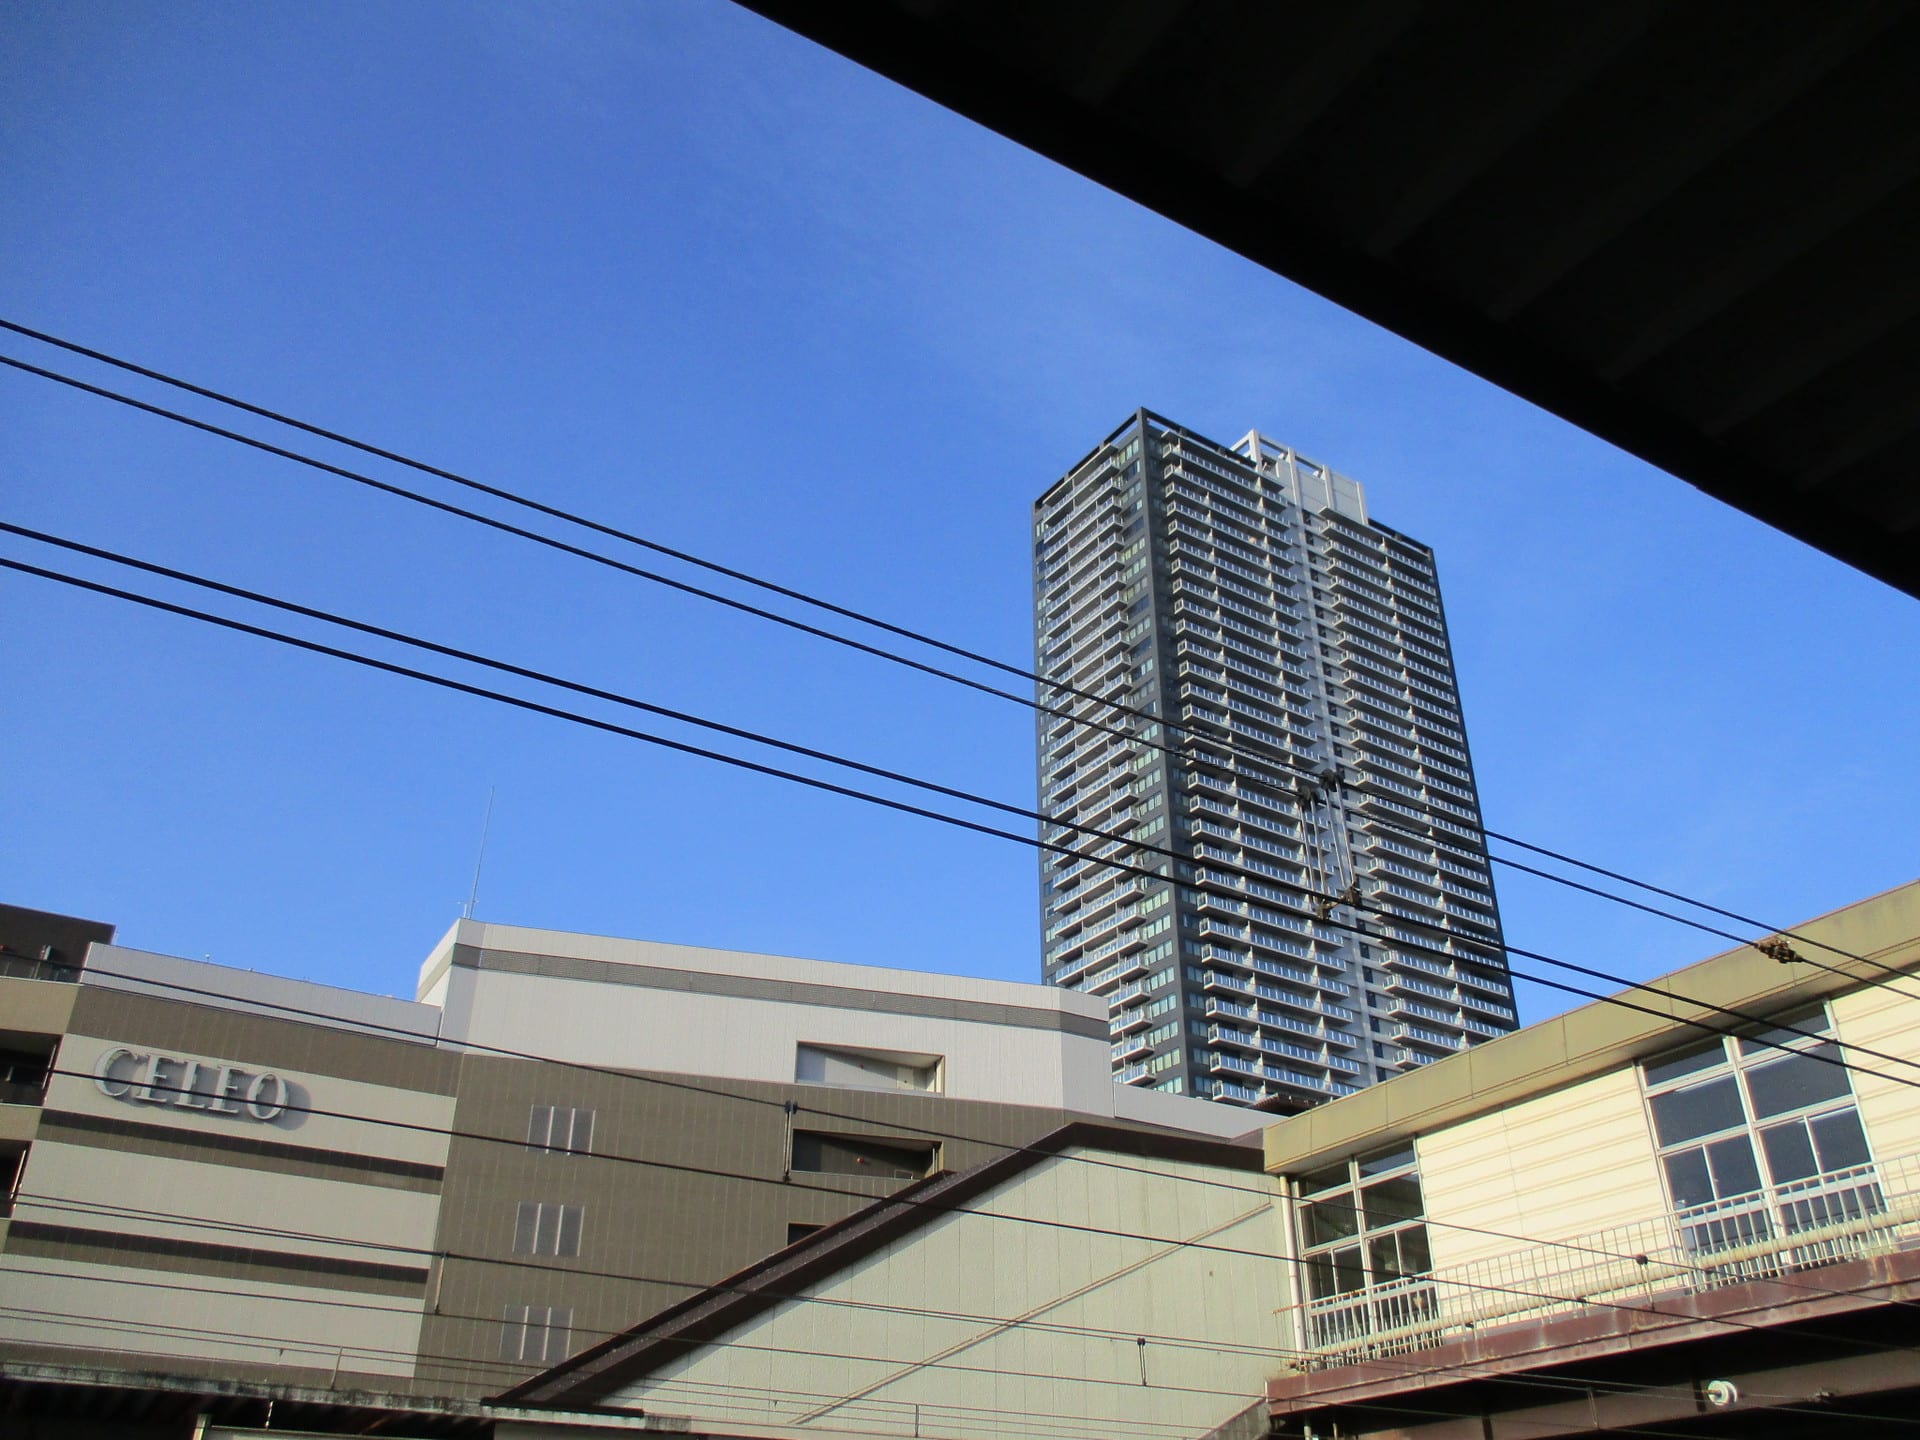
{"points": [[480, 859]]}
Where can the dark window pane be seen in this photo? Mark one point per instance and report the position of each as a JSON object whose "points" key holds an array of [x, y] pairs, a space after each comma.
{"points": [[1347, 1270], [1320, 1277], [1734, 1170], [1414, 1256], [1812, 1022], [1686, 1062], [513, 1333], [1839, 1141], [1794, 1082], [1331, 1178], [1337, 1273], [1381, 1161], [1386, 1201], [1789, 1152], [1687, 1178], [1329, 1219], [1384, 1255], [1697, 1110], [525, 1220]]}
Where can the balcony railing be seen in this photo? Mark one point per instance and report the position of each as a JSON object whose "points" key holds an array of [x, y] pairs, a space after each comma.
{"points": [[31, 967], [1842, 1215]]}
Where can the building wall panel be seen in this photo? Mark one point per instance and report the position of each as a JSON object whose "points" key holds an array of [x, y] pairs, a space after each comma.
{"points": [[1572, 1162], [325, 1112], [85, 1186], [1080, 1304], [1883, 1019], [137, 1312]]}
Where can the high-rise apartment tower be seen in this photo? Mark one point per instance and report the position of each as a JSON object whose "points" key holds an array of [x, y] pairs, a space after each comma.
{"points": [[1296, 742]]}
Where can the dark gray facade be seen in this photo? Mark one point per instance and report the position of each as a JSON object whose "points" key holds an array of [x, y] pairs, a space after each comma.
{"points": [[686, 1181], [1330, 918]]}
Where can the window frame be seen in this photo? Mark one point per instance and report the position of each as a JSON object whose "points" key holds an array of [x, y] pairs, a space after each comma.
{"points": [[1741, 1217], [1378, 1300]]}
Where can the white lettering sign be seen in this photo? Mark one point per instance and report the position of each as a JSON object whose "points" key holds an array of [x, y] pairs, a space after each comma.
{"points": [[154, 1079]]}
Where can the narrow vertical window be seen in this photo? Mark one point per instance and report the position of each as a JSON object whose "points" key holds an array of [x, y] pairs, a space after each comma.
{"points": [[560, 1129], [541, 1229], [1363, 1247]]}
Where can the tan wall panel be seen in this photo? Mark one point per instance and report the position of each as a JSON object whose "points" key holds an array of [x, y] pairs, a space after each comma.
{"points": [[75, 1090], [1208, 1316], [95, 1307], [398, 1224], [596, 1023], [1570, 1163], [19, 1122], [1882, 1019], [37, 1007]]}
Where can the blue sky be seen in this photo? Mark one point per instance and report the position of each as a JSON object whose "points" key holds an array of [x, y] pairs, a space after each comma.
{"points": [[673, 267]]}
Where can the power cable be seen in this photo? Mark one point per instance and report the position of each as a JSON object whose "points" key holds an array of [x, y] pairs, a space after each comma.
{"points": [[1115, 837], [491, 1373], [564, 714], [1233, 743], [1411, 1363], [812, 782], [936, 1206], [574, 1330]]}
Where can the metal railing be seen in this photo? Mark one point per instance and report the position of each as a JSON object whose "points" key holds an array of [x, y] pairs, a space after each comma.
{"points": [[29, 967], [1842, 1215]]}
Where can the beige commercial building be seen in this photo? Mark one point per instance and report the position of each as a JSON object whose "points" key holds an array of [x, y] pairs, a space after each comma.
{"points": [[212, 1170]]}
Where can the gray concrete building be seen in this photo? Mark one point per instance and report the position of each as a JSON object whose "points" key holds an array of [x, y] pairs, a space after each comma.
{"points": [[221, 1172], [1296, 741]]}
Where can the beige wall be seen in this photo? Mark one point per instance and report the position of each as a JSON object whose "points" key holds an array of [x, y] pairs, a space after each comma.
{"points": [[811, 1368], [1569, 1163], [691, 1033], [295, 1248], [685, 1186], [333, 1105], [1882, 1018], [134, 1311], [95, 1186]]}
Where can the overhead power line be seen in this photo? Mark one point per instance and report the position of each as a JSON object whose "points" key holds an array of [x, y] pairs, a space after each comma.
{"points": [[1114, 837], [1411, 1364], [1238, 744], [919, 811]]}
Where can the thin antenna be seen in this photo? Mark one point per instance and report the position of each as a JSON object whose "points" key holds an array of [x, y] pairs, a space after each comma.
{"points": [[480, 859]]}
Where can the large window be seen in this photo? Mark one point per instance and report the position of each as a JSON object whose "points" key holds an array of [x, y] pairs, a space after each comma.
{"points": [[1363, 1246], [1759, 1135], [862, 1069], [826, 1153]]}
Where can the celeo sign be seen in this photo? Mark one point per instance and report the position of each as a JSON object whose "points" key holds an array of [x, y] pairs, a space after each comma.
{"points": [[123, 1074]]}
